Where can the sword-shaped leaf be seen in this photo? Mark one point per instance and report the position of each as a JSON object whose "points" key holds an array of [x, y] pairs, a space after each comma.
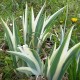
{"points": [[58, 60]]}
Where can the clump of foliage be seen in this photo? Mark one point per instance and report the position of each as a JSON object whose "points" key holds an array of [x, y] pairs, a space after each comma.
{"points": [[35, 31]]}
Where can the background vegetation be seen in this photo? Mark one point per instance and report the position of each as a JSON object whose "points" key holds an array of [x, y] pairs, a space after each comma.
{"points": [[9, 8]]}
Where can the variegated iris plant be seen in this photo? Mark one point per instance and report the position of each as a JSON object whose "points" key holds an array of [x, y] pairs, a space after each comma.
{"points": [[55, 65], [38, 28]]}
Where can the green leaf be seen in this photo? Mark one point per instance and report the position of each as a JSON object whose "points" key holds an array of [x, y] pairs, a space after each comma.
{"points": [[9, 35], [52, 18], [25, 23], [38, 30], [32, 20], [38, 25], [37, 57], [27, 70], [62, 35], [15, 36]]}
